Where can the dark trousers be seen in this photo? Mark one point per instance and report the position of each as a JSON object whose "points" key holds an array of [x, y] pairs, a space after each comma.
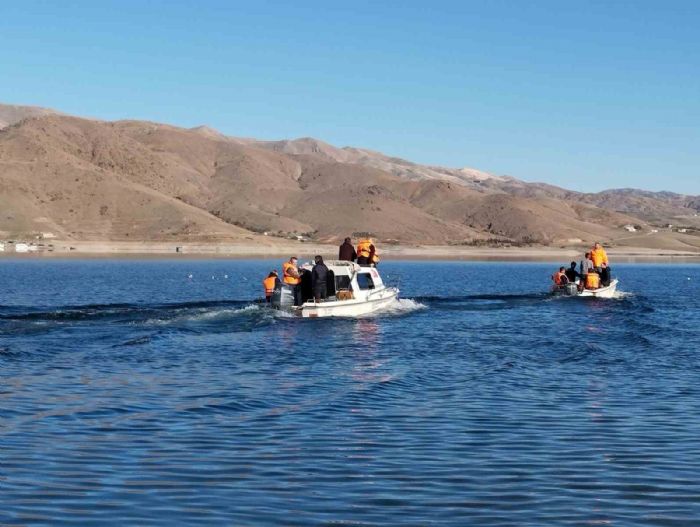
{"points": [[296, 291], [320, 292], [363, 260], [604, 273]]}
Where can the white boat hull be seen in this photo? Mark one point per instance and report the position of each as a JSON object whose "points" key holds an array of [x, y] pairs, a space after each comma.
{"points": [[376, 301], [361, 289], [601, 292]]}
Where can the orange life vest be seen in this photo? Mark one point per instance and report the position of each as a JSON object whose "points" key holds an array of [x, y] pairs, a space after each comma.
{"points": [[363, 248], [592, 281], [269, 285], [288, 278], [599, 257], [560, 278]]}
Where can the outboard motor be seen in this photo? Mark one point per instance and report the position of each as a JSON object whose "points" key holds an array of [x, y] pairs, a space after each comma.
{"points": [[282, 297], [571, 289]]}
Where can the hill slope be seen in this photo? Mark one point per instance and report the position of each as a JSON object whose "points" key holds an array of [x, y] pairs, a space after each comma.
{"points": [[132, 180], [12, 113]]}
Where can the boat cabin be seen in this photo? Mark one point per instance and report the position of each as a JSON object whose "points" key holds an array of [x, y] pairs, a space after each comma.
{"points": [[346, 281]]}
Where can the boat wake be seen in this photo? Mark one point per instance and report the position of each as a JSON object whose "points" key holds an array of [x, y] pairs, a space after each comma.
{"points": [[481, 302], [468, 298], [621, 295], [399, 307], [72, 313], [209, 316], [190, 316]]}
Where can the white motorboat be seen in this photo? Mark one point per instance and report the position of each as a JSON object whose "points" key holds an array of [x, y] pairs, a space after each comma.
{"points": [[353, 291], [571, 289]]}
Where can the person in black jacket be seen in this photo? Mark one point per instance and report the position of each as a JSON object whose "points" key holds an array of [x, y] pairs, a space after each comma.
{"points": [[319, 278], [571, 273], [347, 251]]}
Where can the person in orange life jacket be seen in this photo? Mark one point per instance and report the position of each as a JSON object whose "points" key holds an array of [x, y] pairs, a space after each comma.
{"points": [[292, 277], [270, 283], [599, 257], [559, 278], [363, 251], [601, 263], [373, 256], [367, 252]]}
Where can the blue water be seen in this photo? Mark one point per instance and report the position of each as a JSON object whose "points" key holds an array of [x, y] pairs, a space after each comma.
{"points": [[132, 393]]}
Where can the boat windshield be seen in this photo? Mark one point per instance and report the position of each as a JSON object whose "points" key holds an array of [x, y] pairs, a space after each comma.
{"points": [[342, 282], [364, 280]]}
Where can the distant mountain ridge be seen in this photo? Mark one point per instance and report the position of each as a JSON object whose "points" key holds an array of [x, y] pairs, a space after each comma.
{"points": [[11, 114], [98, 180]]}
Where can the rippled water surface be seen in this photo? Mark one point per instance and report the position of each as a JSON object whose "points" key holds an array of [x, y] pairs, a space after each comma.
{"points": [[157, 392]]}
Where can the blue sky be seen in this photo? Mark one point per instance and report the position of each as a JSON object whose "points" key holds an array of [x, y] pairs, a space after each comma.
{"points": [[586, 95]]}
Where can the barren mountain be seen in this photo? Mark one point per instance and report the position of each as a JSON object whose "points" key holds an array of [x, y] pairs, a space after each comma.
{"points": [[11, 114], [369, 158], [659, 207], [132, 180]]}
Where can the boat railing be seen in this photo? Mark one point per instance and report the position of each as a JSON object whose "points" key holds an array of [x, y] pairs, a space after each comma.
{"points": [[380, 289]]}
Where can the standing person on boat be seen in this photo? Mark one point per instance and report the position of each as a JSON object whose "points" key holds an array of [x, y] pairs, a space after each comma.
{"points": [[347, 252], [586, 264], [363, 251], [586, 267], [599, 257], [367, 252], [270, 283], [559, 278], [600, 262], [291, 277], [319, 279], [373, 256]]}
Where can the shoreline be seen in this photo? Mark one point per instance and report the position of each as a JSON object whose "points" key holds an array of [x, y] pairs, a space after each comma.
{"points": [[246, 251]]}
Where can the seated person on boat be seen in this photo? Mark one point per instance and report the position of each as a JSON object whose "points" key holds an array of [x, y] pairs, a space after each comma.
{"points": [[291, 277], [269, 284], [571, 273], [559, 278]]}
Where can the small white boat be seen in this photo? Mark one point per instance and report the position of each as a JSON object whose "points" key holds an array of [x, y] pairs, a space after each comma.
{"points": [[571, 289], [353, 291], [602, 292]]}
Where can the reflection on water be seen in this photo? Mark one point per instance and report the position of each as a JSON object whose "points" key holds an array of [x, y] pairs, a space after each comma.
{"points": [[366, 334], [130, 390], [596, 398]]}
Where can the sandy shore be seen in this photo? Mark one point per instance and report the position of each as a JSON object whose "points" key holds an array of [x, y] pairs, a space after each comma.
{"points": [[307, 250]]}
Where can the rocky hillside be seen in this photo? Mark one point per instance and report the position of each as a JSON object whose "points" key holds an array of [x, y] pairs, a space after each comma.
{"points": [[131, 180], [11, 114]]}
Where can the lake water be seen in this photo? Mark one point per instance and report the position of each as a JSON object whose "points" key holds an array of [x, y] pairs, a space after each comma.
{"points": [[156, 392]]}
